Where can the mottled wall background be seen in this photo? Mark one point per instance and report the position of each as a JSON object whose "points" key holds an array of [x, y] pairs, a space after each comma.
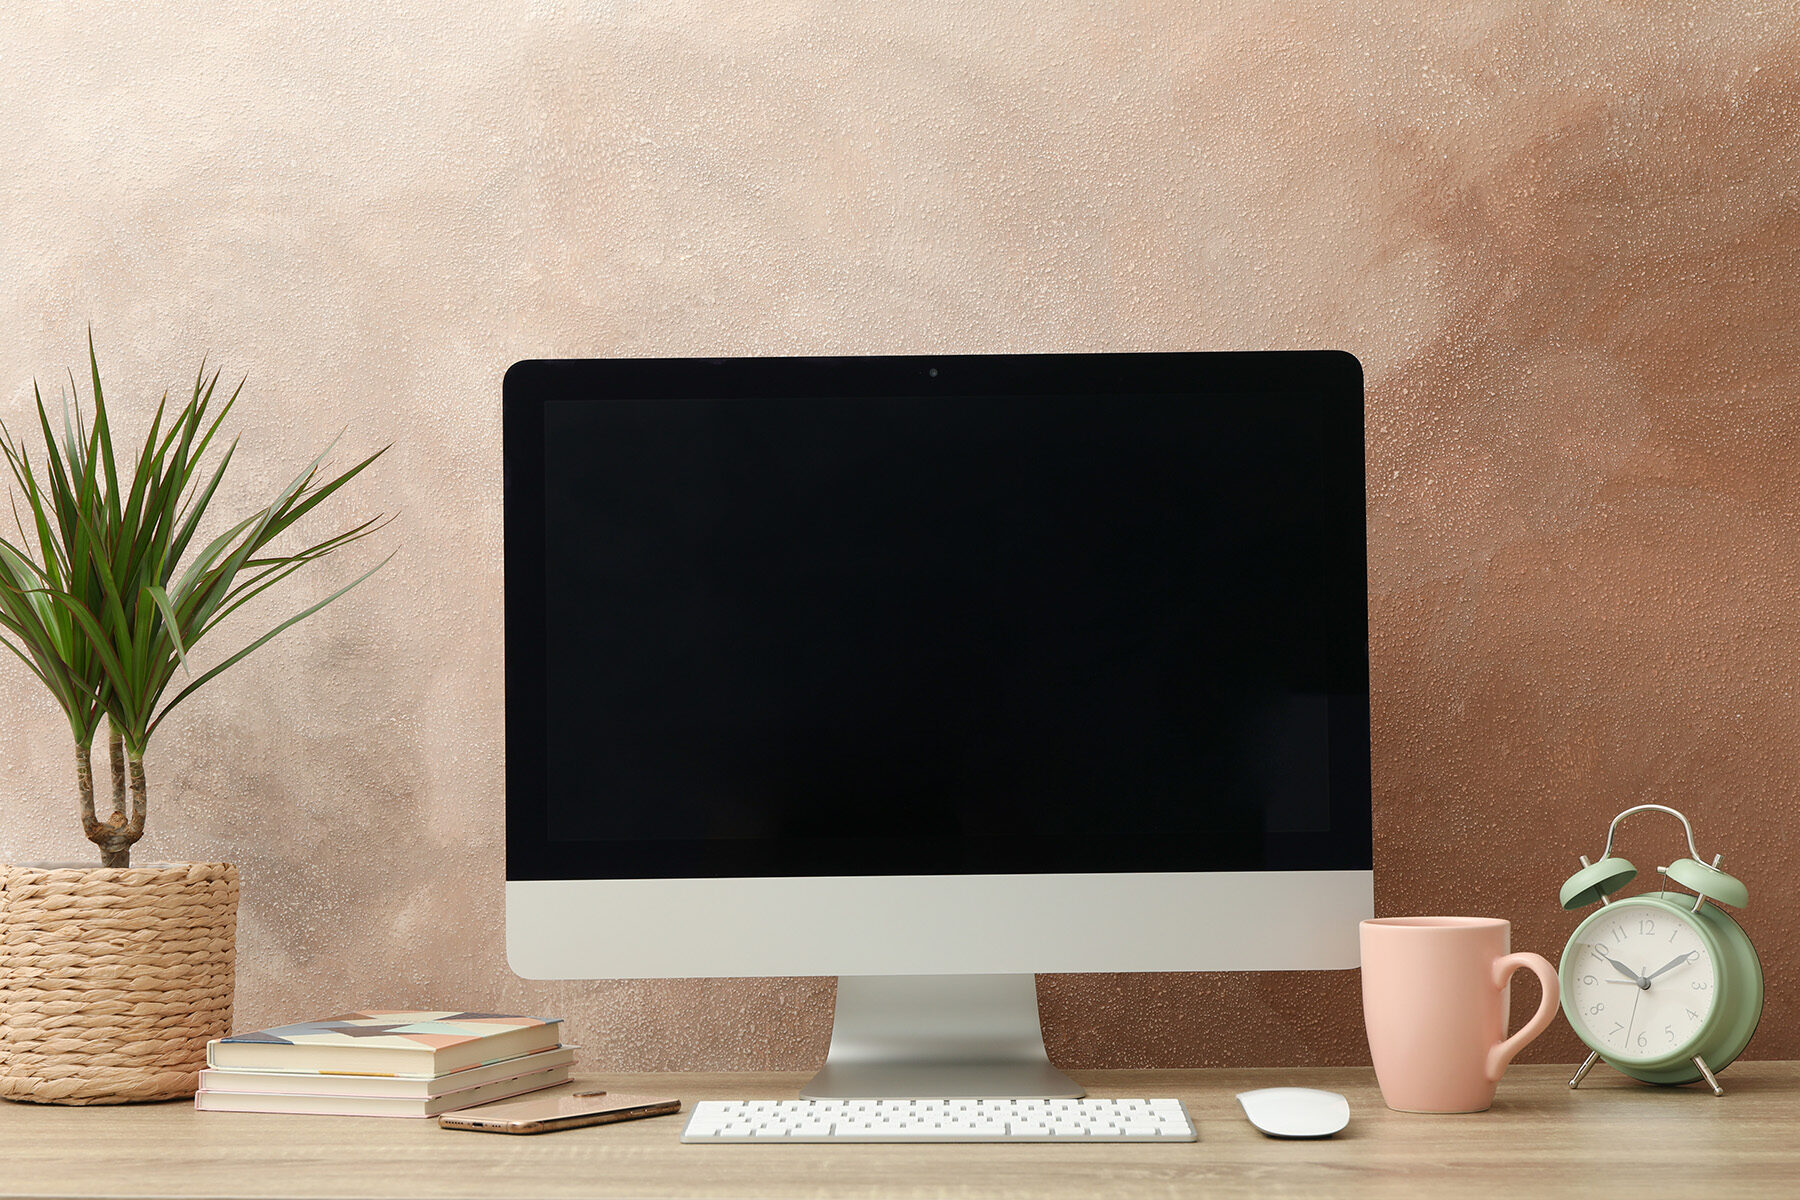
{"points": [[1561, 238]]}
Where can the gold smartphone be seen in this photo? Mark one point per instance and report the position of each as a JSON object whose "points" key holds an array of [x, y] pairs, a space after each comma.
{"points": [[547, 1114]]}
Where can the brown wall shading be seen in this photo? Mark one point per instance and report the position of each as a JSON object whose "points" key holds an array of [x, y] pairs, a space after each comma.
{"points": [[1562, 241]]}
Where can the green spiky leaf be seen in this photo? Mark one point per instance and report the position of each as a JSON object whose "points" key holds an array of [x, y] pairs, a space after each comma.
{"points": [[110, 605]]}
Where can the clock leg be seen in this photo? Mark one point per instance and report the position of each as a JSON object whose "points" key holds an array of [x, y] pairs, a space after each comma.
{"points": [[1582, 1073], [1711, 1081]]}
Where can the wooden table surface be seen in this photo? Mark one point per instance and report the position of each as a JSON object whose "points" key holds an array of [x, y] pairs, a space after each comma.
{"points": [[1611, 1138]]}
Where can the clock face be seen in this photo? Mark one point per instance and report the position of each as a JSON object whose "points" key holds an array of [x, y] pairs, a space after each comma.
{"points": [[1641, 981]]}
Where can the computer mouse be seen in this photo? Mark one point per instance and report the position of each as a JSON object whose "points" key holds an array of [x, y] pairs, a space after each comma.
{"points": [[1293, 1112]]}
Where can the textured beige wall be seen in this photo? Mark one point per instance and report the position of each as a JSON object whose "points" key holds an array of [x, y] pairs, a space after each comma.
{"points": [[1562, 239]]}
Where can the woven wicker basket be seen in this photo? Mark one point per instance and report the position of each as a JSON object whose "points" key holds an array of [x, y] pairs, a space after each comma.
{"points": [[113, 979]]}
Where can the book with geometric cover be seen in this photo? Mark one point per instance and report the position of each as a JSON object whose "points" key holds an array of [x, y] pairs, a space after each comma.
{"points": [[404, 1042]]}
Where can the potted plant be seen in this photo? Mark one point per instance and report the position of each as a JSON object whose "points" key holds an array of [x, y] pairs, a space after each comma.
{"points": [[112, 979]]}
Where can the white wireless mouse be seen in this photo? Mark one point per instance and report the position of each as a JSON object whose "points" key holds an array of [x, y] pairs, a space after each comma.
{"points": [[1291, 1112]]}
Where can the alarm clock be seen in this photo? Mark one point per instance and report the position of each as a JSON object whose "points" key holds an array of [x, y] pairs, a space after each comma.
{"points": [[1663, 986]]}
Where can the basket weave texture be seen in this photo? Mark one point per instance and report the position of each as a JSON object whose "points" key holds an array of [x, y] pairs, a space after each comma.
{"points": [[113, 979]]}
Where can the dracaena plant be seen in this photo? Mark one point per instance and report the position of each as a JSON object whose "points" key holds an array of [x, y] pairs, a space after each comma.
{"points": [[108, 609]]}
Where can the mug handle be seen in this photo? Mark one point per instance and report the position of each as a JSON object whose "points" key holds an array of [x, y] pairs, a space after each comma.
{"points": [[1502, 1052]]}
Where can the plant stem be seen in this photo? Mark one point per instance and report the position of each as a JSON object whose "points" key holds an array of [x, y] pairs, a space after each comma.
{"points": [[139, 798], [134, 829], [117, 833], [115, 745], [84, 784]]}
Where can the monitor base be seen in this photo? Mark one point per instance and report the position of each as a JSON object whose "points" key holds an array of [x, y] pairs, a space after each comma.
{"points": [[938, 1036]]}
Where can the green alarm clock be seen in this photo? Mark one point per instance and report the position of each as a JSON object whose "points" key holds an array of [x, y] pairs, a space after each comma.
{"points": [[1664, 986]]}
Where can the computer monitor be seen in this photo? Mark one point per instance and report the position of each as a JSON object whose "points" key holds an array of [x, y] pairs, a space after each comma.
{"points": [[933, 673]]}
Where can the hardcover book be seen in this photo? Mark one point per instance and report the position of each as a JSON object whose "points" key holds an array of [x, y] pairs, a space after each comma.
{"points": [[338, 1083], [377, 1106], [408, 1043]]}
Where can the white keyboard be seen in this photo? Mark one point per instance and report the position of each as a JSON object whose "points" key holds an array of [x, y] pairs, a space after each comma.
{"points": [[1086, 1120]]}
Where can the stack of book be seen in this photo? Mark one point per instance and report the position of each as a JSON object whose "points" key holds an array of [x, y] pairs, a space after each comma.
{"points": [[383, 1064]]}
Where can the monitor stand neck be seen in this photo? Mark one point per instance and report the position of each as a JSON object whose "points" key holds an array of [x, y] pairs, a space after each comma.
{"points": [[915, 1036]]}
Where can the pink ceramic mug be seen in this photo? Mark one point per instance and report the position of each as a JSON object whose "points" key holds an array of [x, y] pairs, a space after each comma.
{"points": [[1435, 1000]]}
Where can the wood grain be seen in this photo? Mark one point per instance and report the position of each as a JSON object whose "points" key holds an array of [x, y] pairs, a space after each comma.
{"points": [[1539, 1140]]}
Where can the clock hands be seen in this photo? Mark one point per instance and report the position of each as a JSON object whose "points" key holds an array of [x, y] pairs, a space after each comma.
{"points": [[1643, 981], [1669, 966], [1626, 971]]}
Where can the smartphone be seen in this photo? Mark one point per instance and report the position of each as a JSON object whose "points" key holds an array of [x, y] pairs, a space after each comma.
{"points": [[547, 1114]]}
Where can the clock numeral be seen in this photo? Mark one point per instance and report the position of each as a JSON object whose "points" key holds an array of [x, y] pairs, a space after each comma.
{"points": [[1589, 981], [1699, 986], [1618, 1027], [1692, 1015], [1673, 932], [1646, 926], [1600, 952], [1643, 1039], [1618, 933], [1670, 1030], [1596, 1010]]}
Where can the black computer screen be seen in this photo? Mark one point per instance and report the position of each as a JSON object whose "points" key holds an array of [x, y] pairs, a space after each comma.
{"points": [[1053, 620]]}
